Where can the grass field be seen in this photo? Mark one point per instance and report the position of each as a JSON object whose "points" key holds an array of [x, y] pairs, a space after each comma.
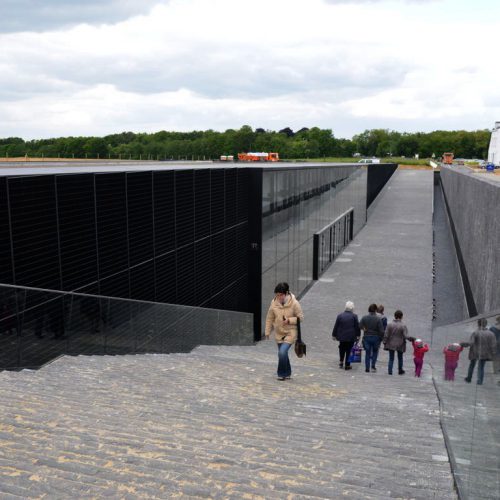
{"points": [[399, 161]]}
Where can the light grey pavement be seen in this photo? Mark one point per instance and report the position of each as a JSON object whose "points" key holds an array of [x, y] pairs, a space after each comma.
{"points": [[215, 423]]}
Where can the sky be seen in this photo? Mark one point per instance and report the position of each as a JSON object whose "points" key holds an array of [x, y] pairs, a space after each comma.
{"points": [[106, 66]]}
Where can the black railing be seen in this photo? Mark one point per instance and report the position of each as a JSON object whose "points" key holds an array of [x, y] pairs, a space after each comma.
{"points": [[330, 241]]}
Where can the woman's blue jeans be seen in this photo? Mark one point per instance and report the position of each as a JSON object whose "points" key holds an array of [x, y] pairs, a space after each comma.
{"points": [[371, 344], [284, 367]]}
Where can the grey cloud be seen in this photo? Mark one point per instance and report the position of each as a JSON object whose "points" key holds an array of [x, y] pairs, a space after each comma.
{"points": [[261, 75], [35, 15]]}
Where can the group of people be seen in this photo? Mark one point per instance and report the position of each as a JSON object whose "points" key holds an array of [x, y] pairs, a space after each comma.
{"points": [[484, 345], [285, 313], [376, 331]]}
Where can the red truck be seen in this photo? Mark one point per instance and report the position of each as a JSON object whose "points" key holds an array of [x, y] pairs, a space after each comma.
{"points": [[258, 157]]}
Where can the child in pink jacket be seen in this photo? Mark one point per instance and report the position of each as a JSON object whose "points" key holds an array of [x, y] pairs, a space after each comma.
{"points": [[419, 350], [451, 355]]}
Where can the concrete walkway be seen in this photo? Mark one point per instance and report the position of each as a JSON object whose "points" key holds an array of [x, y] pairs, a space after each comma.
{"points": [[215, 423]]}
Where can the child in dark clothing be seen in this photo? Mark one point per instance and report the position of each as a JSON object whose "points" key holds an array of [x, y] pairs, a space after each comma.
{"points": [[419, 350], [451, 355]]}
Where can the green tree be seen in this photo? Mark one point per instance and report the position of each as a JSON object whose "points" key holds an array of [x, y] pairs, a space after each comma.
{"points": [[96, 147]]}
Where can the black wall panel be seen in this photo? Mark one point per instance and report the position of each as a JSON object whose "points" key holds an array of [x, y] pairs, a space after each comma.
{"points": [[112, 245], [186, 275], [5, 253], [217, 263], [231, 255], [117, 285], [142, 279], [202, 270], [140, 217], [202, 203], [230, 197], [164, 212], [77, 230], [178, 236], [243, 193], [378, 175], [35, 231], [166, 278], [217, 215], [184, 207]]}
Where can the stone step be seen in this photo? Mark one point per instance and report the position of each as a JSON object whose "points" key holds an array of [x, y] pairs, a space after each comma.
{"points": [[206, 423]]}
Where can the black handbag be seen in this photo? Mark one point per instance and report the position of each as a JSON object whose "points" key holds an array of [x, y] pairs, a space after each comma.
{"points": [[300, 347]]}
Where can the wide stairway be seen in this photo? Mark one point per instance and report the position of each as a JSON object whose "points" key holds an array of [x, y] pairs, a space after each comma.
{"points": [[215, 423]]}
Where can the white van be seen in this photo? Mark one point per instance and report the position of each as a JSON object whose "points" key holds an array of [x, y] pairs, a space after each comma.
{"points": [[369, 160]]}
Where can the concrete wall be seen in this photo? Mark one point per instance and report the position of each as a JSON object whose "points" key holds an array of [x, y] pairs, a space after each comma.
{"points": [[474, 203]]}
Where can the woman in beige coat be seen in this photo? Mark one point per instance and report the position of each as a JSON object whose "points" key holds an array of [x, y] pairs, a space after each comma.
{"points": [[282, 317]]}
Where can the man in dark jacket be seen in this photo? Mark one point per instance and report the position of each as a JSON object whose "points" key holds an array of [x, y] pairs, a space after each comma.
{"points": [[346, 331], [371, 324], [483, 347]]}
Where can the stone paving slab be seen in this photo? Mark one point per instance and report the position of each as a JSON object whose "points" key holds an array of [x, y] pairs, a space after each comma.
{"points": [[215, 423]]}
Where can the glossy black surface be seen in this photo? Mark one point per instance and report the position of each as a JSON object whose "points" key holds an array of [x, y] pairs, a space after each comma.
{"points": [[178, 236]]}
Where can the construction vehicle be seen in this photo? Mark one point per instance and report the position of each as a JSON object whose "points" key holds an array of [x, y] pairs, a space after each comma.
{"points": [[258, 157], [447, 158]]}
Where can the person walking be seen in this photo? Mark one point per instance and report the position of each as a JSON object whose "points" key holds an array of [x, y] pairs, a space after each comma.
{"points": [[282, 317], [451, 356], [482, 348], [394, 341], [496, 330], [346, 330], [371, 324], [419, 350], [380, 312]]}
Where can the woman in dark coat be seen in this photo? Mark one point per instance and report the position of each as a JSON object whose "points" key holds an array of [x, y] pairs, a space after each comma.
{"points": [[346, 331], [396, 335]]}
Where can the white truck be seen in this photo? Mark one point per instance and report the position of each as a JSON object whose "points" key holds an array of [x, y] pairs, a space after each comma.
{"points": [[369, 160], [494, 150]]}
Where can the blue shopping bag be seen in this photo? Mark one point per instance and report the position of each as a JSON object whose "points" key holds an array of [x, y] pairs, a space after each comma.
{"points": [[355, 356]]}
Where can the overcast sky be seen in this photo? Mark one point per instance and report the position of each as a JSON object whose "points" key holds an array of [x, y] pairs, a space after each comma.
{"points": [[106, 66]]}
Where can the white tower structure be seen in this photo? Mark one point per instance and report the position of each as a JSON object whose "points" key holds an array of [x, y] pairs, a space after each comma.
{"points": [[494, 151]]}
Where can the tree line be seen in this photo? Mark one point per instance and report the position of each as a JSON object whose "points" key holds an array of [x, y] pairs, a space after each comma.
{"points": [[304, 143]]}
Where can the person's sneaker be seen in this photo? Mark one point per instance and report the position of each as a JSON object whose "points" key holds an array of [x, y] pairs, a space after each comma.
{"points": [[401, 372], [367, 370], [374, 369], [467, 380], [341, 365], [348, 367], [281, 378], [390, 373]]}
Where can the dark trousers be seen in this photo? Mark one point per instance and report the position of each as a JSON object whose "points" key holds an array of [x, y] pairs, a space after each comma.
{"points": [[391, 361], [345, 349], [480, 370]]}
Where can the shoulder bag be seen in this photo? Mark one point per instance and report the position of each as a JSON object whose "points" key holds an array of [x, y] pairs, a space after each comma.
{"points": [[300, 347]]}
